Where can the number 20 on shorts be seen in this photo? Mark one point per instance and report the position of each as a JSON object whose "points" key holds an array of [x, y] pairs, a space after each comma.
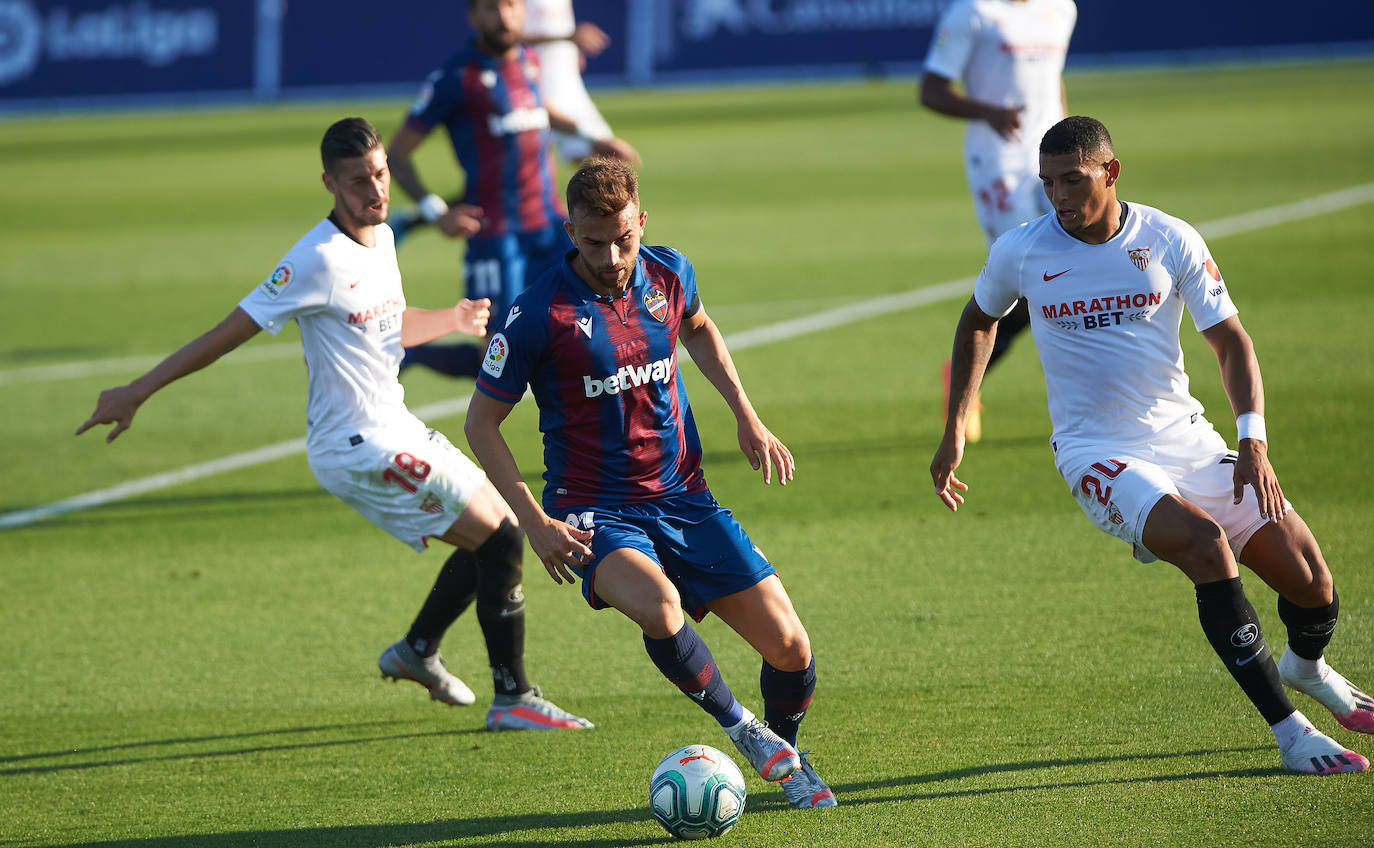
{"points": [[1092, 486]]}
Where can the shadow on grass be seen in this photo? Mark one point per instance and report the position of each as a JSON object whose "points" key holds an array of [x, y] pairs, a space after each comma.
{"points": [[841, 790], [456, 830], [42, 768]]}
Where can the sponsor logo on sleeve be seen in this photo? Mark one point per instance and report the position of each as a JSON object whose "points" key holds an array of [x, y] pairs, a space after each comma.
{"points": [[1140, 257], [281, 277], [497, 354], [1212, 270], [657, 304]]}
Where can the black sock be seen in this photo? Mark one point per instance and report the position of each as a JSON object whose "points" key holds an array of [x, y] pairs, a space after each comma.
{"points": [[501, 608], [460, 360], [786, 695], [1231, 626], [1309, 628], [454, 589]]}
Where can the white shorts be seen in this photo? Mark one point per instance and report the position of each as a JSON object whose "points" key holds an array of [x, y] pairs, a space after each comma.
{"points": [[408, 480], [1006, 188], [562, 88], [1117, 491]]}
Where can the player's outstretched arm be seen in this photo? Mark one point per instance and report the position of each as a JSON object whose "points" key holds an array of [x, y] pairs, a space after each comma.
{"points": [[558, 545], [1240, 377], [973, 340], [763, 450], [118, 405], [419, 326]]}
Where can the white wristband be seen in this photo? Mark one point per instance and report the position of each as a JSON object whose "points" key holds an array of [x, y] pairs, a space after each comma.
{"points": [[1250, 425], [431, 207]]}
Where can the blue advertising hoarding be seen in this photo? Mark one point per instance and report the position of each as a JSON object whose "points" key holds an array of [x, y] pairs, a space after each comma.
{"points": [[93, 48], [64, 52]]}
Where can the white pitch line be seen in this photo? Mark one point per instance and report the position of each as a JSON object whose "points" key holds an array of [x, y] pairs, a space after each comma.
{"points": [[767, 334]]}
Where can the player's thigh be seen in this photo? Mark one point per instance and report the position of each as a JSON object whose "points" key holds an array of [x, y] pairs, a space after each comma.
{"points": [[408, 480], [634, 583], [484, 514], [764, 616], [1117, 495], [1212, 487], [1286, 556]]}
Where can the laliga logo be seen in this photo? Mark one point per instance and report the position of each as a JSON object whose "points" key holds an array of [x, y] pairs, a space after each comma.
{"points": [[21, 34], [133, 31]]}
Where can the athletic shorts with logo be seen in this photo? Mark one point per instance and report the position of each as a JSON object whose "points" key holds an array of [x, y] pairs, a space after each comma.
{"points": [[1117, 488], [407, 479], [1006, 188], [697, 542]]}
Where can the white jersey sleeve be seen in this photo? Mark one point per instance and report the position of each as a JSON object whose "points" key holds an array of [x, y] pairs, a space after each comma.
{"points": [[952, 45], [999, 285], [1198, 280], [299, 285]]}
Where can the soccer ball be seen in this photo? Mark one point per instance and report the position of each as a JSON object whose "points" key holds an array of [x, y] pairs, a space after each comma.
{"points": [[697, 792]]}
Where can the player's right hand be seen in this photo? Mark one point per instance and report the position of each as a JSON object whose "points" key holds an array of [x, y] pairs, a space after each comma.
{"points": [[1006, 122], [460, 221], [560, 546], [473, 316], [115, 406], [947, 458]]}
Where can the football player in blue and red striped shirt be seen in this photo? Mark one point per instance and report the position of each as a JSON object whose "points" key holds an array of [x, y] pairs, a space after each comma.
{"points": [[625, 506], [487, 96]]}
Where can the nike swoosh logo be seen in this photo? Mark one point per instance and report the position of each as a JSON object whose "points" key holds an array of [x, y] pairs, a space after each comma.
{"points": [[1248, 659], [355, 282], [1049, 277]]}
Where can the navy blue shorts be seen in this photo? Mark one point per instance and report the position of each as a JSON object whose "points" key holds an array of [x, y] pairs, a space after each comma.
{"points": [[696, 541], [501, 267]]}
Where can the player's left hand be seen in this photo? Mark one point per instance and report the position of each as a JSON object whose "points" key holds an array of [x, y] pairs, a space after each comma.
{"points": [[617, 148], [764, 450], [1253, 468], [473, 316]]}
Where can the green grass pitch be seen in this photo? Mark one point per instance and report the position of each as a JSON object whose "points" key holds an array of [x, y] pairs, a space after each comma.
{"points": [[195, 666]]}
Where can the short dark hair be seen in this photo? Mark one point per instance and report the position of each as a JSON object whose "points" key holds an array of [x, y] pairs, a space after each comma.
{"points": [[1078, 134], [602, 186], [347, 139]]}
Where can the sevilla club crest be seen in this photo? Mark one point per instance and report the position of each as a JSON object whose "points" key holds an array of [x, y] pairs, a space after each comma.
{"points": [[1140, 256], [657, 304]]}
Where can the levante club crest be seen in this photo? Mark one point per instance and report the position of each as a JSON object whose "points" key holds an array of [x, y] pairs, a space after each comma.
{"points": [[657, 304]]}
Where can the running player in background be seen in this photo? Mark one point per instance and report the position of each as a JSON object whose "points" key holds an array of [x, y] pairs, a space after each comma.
{"points": [[1008, 55], [563, 45], [626, 507], [340, 283], [1107, 282], [487, 97]]}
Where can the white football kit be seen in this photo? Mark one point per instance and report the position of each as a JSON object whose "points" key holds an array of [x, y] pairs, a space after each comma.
{"points": [[363, 444], [1007, 53], [1105, 318], [560, 81]]}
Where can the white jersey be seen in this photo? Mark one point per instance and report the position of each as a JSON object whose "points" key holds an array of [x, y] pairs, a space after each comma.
{"points": [[1006, 53], [1106, 318], [348, 302], [549, 18]]}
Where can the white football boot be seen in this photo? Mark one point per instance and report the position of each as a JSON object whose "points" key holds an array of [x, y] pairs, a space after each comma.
{"points": [[1351, 707], [401, 662]]}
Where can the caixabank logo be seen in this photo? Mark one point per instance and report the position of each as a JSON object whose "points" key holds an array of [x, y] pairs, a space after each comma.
{"points": [[128, 31]]}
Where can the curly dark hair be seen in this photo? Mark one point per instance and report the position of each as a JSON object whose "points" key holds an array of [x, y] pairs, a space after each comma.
{"points": [[1078, 134]]}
